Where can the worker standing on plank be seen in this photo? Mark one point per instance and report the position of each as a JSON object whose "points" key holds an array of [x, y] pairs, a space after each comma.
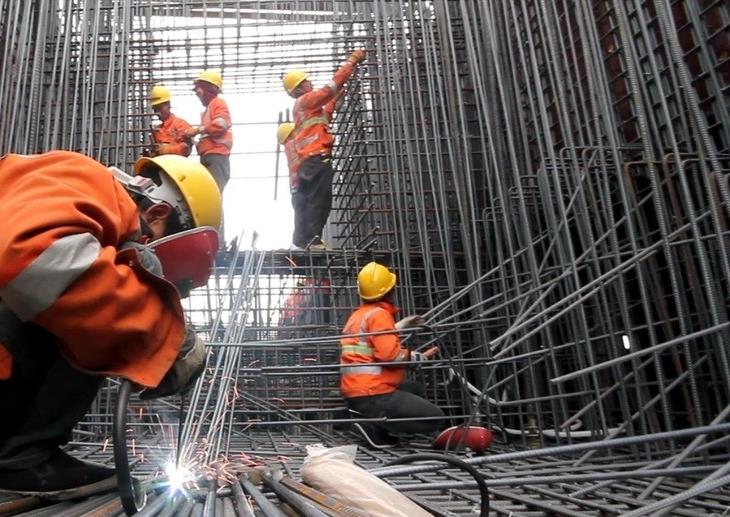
{"points": [[82, 297], [171, 136], [376, 391], [216, 137], [313, 142]]}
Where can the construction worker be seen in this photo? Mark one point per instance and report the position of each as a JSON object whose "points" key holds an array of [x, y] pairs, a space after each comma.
{"points": [[303, 225], [82, 297], [374, 391], [216, 137], [170, 137], [313, 142]]}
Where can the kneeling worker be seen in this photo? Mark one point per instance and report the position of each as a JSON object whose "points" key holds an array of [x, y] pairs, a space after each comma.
{"points": [[376, 391]]}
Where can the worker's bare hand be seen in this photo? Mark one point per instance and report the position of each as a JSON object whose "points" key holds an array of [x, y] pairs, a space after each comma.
{"points": [[183, 373], [358, 55], [163, 149], [192, 131], [410, 321]]}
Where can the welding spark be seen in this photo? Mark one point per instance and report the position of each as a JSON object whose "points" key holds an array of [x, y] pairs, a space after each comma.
{"points": [[177, 476]]}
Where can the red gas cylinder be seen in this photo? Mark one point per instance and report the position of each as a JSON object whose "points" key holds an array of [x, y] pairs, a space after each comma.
{"points": [[478, 439]]}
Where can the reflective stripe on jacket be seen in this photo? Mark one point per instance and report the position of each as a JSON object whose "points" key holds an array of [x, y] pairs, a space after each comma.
{"points": [[312, 113], [218, 137], [364, 376], [172, 133], [63, 216]]}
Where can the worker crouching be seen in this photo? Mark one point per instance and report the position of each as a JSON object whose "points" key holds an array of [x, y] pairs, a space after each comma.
{"points": [[373, 390], [82, 297]]}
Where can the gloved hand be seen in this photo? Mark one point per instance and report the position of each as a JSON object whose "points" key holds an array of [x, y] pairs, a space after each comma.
{"points": [[183, 373], [357, 56], [410, 321], [147, 257], [417, 359]]}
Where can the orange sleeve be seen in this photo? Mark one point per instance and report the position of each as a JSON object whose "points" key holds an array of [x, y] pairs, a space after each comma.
{"points": [[110, 316], [386, 347], [182, 145], [220, 118], [320, 97]]}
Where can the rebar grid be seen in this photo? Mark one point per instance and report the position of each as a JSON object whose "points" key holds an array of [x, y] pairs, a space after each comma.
{"points": [[548, 179]]}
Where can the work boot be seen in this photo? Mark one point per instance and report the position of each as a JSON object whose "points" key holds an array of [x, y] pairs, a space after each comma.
{"points": [[59, 477], [375, 436]]}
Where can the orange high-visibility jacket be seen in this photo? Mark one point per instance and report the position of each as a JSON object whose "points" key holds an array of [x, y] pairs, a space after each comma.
{"points": [[63, 217], [366, 377], [218, 136], [172, 132], [294, 161], [311, 119]]}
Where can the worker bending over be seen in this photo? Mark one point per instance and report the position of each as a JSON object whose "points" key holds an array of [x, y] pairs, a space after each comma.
{"points": [[312, 111], [216, 137], [376, 391], [82, 297], [171, 136]]}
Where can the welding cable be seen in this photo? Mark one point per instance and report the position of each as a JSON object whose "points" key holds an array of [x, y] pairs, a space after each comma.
{"points": [[455, 462], [133, 498]]}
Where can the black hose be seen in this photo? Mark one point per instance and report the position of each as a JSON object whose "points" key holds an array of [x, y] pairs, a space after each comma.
{"points": [[456, 462], [133, 498]]}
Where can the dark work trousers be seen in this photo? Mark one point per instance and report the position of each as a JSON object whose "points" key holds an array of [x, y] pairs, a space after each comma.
{"points": [[219, 166], [312, 201], [44, 397], [406, 402]]}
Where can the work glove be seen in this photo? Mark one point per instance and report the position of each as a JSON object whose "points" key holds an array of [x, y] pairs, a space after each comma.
{"points": [[147, 257], [417, 360], [410, 321], [357, 56], [183, 373]]}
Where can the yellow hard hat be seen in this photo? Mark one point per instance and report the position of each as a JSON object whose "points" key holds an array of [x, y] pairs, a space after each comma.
{"points": [[159, 94], [193, 193], [293, 78], [283, 131], [374, 281], [212, 77]]}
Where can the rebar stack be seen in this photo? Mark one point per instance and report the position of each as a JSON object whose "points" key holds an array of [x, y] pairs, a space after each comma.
{"points": [[549, 180]]}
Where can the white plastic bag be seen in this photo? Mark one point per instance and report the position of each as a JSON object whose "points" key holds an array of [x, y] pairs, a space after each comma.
{"points": [[332, 472]]}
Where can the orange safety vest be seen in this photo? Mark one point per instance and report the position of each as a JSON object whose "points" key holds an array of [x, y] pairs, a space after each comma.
{"points": [[64, 216], [312, 113], [218, 137], [294, 161], [366, 377], [172, 132]]}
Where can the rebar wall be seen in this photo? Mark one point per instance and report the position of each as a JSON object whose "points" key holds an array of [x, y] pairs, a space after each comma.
{"points": [[550, 180]]}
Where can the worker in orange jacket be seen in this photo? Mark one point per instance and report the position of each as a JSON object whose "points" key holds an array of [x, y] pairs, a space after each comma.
{"points": [[284, 134], [170, 136], [82, 297], [313, 143], [373, 390], [216, 136]]}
